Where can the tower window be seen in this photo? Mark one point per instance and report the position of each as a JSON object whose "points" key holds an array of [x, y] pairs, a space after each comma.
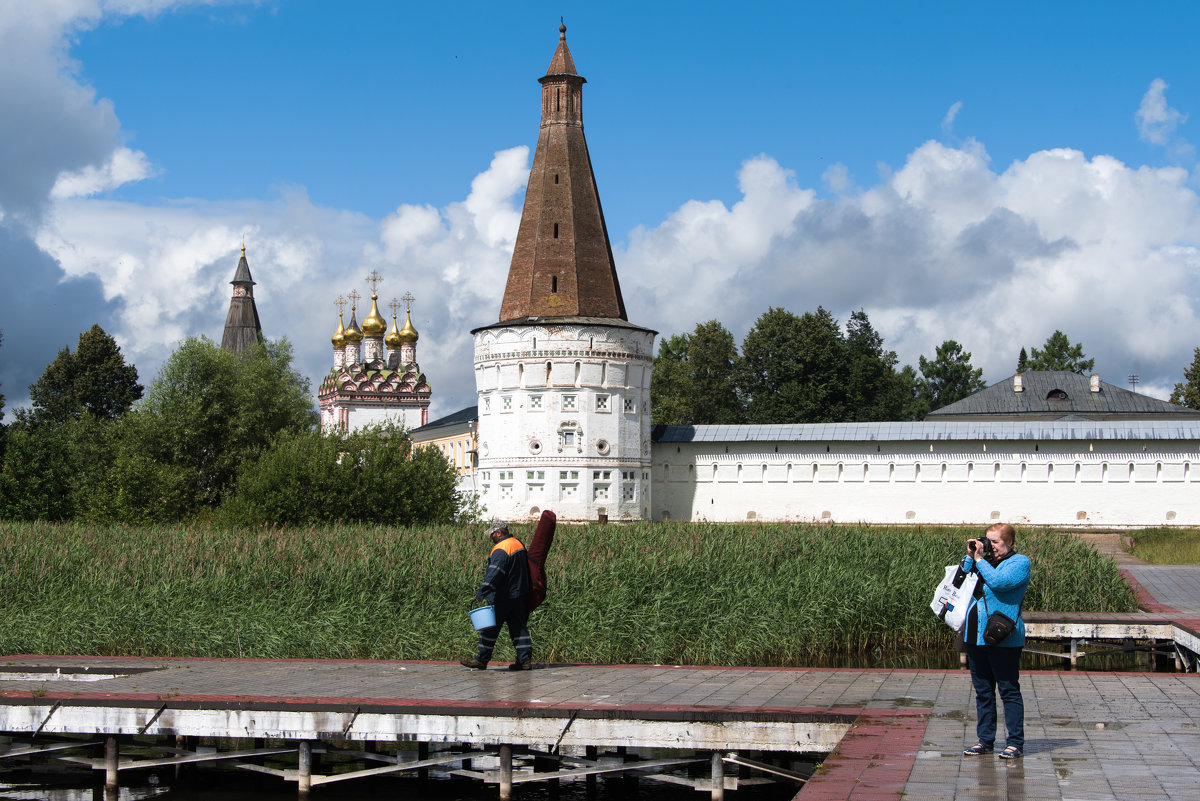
{"points": [[556, 230], [554, 283], [555, 177]]}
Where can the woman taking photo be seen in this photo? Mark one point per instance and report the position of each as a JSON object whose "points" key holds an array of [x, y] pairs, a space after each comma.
{"points": [[1003, 579]]}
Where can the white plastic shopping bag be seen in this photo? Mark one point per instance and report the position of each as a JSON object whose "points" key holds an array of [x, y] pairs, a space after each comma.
{"points": [[953, 596]]}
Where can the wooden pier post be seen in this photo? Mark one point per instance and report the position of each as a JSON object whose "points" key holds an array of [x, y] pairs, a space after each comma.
{"points": [[506, 779], [304, 768], [718, 777], [422, 753], [590, 753], [112, 757]]}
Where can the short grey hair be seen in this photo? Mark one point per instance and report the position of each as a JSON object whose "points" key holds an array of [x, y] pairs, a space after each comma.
{"points": [[497, 525]]}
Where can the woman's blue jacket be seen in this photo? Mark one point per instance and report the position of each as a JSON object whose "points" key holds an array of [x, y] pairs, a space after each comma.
{"points": [[1003, 591]]}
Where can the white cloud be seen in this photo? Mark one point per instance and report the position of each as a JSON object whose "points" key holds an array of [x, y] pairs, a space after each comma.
{"points": [[1156, 120], [948, 120], [168, 268], [946, 248], [1159, 124], [123, 166], [837, 177]]}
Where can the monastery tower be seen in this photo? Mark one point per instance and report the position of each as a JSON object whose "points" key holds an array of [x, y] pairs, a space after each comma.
{"points": [[563, 378]]}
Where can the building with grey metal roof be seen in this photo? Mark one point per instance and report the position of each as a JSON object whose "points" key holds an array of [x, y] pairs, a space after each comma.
{"points": [[1059, 395]]}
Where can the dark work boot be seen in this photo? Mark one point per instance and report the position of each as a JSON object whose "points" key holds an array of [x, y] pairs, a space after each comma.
{"points": [[473, 663], [521, 666]]}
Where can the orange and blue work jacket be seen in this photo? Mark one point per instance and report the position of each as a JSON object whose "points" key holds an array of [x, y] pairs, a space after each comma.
{"points": [[507, 573]]}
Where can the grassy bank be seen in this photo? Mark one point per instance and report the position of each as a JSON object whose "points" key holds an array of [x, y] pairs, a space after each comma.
{"points": [[1167, 546], [647, 593]]}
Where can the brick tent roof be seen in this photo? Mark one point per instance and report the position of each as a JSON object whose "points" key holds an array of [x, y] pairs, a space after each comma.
{"points": [[562, 263], [562, 63]]}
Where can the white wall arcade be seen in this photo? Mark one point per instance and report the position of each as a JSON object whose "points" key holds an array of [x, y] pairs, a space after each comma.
{"points": [[563, 419], [1039, 473]]}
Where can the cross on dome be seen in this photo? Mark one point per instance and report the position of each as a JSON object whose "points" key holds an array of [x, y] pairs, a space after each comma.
{"points": [[374, 280]]}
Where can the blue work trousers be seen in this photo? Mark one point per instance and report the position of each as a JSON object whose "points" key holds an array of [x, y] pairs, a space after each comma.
{"points": [[513, 613], [992, 668]]}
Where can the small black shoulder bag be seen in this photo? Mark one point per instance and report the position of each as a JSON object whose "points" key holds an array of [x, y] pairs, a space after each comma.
{"points": [[999, 625]]}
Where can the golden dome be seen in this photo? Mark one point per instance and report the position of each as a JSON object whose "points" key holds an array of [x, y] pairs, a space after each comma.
{"points": [[373, 325], [339, 336], [408, 335], [352, 335], [392, 340]]}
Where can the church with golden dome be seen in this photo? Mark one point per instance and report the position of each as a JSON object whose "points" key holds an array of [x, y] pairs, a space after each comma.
{"points": [[375, 377]]}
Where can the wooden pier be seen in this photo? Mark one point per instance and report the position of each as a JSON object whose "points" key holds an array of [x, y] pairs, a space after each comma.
{"points": [[876, 731]]}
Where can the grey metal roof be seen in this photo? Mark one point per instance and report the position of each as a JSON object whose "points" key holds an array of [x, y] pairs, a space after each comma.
{"points": [[1041, 396], [944, 430]]}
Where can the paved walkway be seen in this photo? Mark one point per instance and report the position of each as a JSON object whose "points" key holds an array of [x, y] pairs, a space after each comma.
{"points": [[1169, 587], [1089, 735]]}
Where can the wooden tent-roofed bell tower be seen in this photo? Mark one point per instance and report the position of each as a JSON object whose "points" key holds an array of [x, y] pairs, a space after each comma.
{"points": [[242, 328]]}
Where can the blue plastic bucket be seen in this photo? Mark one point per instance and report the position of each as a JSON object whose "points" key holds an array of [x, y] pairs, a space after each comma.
{"points": [[483, 618]]}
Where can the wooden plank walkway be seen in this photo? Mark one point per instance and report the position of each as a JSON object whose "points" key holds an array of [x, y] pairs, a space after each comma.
{"points": [[1089, 735]]}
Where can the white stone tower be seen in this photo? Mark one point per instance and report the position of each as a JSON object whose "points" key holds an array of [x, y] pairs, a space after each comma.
{"points": [[563, 378]]}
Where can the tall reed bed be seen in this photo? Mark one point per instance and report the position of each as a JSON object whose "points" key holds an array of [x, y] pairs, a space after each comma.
{"points": [[642, 593], [1167, 546]]}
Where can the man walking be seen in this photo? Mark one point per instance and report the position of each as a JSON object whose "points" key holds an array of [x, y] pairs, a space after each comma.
{"points": [[506, 587]]}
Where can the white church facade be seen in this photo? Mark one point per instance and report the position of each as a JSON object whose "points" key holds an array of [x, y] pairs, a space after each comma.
{"points": [[375, 378]]}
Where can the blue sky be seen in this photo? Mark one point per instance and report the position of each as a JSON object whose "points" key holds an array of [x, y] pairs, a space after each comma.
{"points": [[981, 172]]}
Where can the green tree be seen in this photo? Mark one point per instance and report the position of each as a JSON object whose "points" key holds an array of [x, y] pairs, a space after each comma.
{"points": [[713, 361], [1059, 354], [792, 368], [914, 407], [93, 379], [369, 476], [1023, 362], [209, 410], [874, 390], [671, 385], [1187, 393], [54, 470], [695, 379], [949, 377]]}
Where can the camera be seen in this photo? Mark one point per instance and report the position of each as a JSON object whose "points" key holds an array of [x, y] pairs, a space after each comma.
{"points": [[987, 551]]}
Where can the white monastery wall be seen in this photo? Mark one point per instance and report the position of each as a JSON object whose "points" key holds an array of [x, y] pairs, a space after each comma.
{"points": [[1091, 483], [562, 421]]}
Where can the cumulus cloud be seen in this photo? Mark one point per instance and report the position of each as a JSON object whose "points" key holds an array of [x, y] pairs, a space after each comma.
{"points": [[167, 269], [123, 166], [947, 248]]}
